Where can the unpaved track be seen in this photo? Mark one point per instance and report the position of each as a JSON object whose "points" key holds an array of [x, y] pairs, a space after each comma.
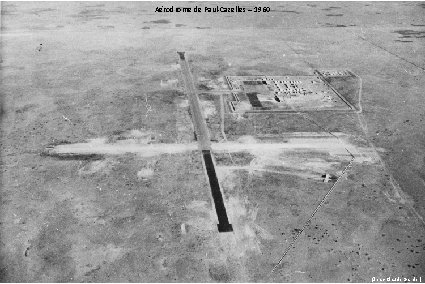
{"points": [[100, 147]]}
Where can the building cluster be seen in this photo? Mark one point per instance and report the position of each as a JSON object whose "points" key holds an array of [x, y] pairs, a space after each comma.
{"points": [[265, 93]]}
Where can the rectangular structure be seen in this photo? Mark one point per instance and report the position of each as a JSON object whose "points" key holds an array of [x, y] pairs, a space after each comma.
{"points": [[285, 93]]}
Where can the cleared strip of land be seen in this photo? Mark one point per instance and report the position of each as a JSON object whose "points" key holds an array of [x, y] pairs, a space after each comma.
{"points": [[102, 147]]}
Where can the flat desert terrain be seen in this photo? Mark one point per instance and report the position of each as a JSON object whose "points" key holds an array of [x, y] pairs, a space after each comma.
{"points": [[280, 146]]}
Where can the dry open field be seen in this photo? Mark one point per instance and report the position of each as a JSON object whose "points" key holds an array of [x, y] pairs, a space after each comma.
{"points": [[102, 179]]}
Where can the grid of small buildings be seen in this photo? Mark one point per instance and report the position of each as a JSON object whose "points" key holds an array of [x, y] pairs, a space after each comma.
{"points": [[277, 92]]}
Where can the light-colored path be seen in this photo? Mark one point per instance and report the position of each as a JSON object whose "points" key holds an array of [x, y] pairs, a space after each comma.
{"points": [[102, 147], [99, 146]]}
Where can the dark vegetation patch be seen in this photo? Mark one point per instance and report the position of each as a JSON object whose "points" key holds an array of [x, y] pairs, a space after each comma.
{"points": [[118, 132], [181, 55], [5, 12], [219, 274], [214, 73], [410, 33], [162, 21], [59, 142], [88, 15], [53, 243], [335, 26], [208, 97], [25, 108], [7, 9], [92, 12], [331, 8], [403, 40], [204, 87], [209, 67], [335, 15], [346, 86], [37, 11], [78, 157], [420, 25], [44, 10], [203, 28], [179, 25], [145, 28], [118, 10]]}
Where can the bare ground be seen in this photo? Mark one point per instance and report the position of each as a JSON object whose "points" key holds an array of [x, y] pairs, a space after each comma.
{"points": [[78, 71]]}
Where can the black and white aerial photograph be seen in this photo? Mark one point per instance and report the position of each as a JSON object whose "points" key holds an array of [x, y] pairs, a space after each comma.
{"points": [[195, 142]]}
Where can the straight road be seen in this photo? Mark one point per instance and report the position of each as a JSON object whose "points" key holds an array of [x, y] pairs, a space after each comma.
{"points": [[201, 129], [204, 144]]}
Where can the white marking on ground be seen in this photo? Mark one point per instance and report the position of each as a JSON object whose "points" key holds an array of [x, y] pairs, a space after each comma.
{"points": [[145, 173], [171, 83], [183, 103], [208, 108]]}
